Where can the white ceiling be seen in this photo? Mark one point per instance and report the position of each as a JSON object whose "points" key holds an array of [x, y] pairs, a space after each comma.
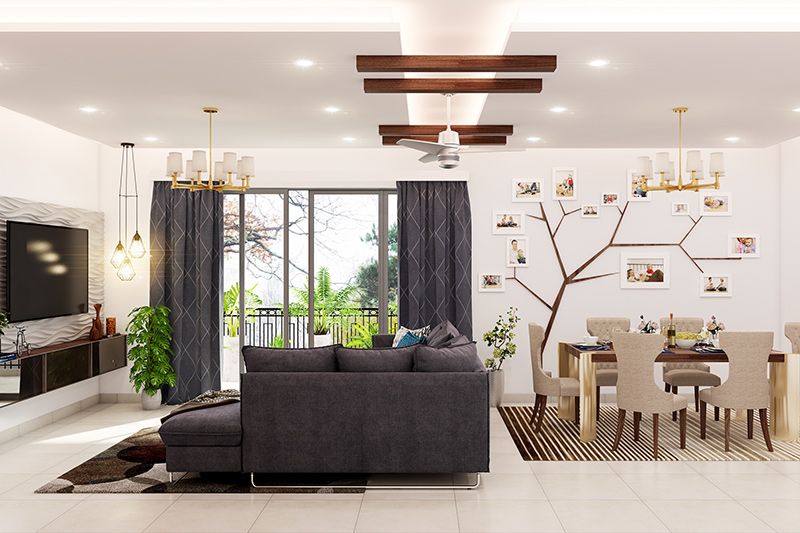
{"points": [[151, 70]]}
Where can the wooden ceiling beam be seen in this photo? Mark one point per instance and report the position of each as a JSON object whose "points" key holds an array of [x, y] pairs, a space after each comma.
{"points": [[432, 129], [456, 63], [452, 85], [466, 140]]}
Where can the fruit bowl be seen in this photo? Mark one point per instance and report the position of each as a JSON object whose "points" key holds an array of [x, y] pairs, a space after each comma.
{"points": [[686, 344]]}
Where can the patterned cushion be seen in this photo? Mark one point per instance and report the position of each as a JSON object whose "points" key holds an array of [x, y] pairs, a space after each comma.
{"points": [[259, 359], [402, 330], [376, 360], [410, 339]]}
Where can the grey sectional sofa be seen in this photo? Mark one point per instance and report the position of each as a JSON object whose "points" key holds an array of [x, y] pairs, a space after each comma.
{"points": [[337, 410]]}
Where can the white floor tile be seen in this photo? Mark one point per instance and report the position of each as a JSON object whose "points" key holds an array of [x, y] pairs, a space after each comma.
{"points": [[650, 467], [389, 494], [502, 445], [756, 486], [585, 487], [404, 516], [785, 467], [202, 516], [23, 516], [693, 515], [607, 516], [508, 463], [570, 467], [732, 467], [782, 516], [290, 516], [504, 487], [507, 517], [673, 487], [29, 463], [112, 516]]}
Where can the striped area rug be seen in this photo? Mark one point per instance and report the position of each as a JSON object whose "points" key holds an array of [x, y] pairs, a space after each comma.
{"points": [[559, 439]]}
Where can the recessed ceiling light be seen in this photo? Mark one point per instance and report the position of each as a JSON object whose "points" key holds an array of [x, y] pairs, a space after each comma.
{"points": [[349, 139], [151, 139], [88, 109], [304, 63], [332, 109], [534, 139], [558, 109], [598, 63], [796, 109], [732, 139]]}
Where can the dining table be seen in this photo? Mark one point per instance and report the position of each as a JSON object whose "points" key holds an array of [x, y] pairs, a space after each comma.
{"points": [[579, 361]]}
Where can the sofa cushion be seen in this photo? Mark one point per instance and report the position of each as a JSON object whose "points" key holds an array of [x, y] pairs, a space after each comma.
{"points": [[376, 359], [402, 330], [410, 339], [213, 426], [459, 358], [441, 334], [259, 359]]}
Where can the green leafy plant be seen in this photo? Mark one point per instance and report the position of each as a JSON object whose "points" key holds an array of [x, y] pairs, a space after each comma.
{"points": [[330, 306], [149, 335], [277, 342], [3, 323], [362, 336], [499, 339], [230, 306]]}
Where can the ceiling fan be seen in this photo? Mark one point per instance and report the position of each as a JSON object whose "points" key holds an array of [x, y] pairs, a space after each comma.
{"points": [[446, 151]]}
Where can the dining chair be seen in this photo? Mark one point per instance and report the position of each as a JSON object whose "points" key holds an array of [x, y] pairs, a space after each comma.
{"points": [[544, 384], [606, 372], [637, 390], [747, 386], [792, 332], [688, 374]]}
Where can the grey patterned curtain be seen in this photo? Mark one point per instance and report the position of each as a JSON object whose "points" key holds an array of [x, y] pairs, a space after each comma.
{"points": [[185, 275], [435, 254]]}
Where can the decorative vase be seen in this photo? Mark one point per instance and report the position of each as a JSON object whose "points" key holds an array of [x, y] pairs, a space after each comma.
{"points": [[230, 360], [497, 385], [151, 403], [323, 340]]}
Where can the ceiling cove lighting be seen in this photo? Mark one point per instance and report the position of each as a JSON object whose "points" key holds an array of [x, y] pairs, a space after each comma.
{"points": [[304, 63], [332, 109], [731, 139], [666, 168], [88, 109], [120, 259], [534, 139], [598, 63], [224, 170], [558, 109]]}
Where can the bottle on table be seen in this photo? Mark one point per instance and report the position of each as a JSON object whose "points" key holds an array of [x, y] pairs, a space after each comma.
{"points": [[671, 336]]}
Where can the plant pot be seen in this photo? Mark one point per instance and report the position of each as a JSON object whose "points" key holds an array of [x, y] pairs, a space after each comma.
{"points": [[230, 359], [323, 340], [497, 385], [151, 403]]}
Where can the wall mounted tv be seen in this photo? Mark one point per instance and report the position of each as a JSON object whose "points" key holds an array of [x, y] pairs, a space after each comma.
{"points": [[47, 271]]}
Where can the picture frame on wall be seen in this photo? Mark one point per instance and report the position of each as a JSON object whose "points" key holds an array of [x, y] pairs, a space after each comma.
{"points": [[565, 183], [644, 271], [491, 282], [609, 199], [745, 245], [511, 222], [517, 252], [716, 285], [634, 185], [680, 209], [716, 204], [590, 211], [524, 190]]}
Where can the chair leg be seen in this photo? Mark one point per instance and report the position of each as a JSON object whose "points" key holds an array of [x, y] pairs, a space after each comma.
{"points": [[683, 429], [762, 416], [620, 425], [666, 387], [749, 423], [637, 418], [696, 398], [716, 413], [542, 408], [702, 420], [674, 413], [655, 435], [535, 410], [597, 403], [578, 410], [727, 429]]}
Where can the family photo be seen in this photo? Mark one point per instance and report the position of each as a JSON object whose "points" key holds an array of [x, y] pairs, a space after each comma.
{"points": [[590, 211], [644, 272], [715, 285], [744, 245], [526, 191], [491, 283], [516, 252], [508, 222], [609, 199], [680, 209], [565, 184], [717, 204], [636, 192]]}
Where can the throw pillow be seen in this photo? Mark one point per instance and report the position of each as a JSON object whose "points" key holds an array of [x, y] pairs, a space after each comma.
{"points": [[376, 359], [410, 339], [456, 341], [441, 334], [260, 359], [402, 330], [461, 358]]}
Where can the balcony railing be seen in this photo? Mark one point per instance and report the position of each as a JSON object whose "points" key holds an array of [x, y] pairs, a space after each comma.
{"points": [[264, 324]]}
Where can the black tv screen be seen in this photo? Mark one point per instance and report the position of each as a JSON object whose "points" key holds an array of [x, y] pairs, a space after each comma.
{"points": [[48, 271]]}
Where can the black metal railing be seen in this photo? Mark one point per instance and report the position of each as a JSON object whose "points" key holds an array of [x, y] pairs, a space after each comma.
{"points": [[264, 325]]}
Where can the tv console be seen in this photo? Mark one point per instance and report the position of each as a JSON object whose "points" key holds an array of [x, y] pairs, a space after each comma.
{"points": [[52, 367]]}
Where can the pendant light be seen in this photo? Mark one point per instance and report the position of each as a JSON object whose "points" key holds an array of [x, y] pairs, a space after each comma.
{"points": [[120, 259]]}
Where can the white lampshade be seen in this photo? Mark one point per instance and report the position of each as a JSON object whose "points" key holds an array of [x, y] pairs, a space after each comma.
{"points": [[642, 164], [219, 174], [174, 163], [693, 162], [649, 174], [239, 169], [229, 158], [662, 163], [717, 164], [199, 161], [670, 174], [248, 167], [190, 170]]}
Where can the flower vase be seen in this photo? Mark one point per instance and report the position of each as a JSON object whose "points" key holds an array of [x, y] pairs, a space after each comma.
{"points": [[497, 387]]}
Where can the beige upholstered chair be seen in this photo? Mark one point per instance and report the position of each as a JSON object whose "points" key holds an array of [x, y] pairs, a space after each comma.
{"points": [[602, 327], [747, 386], [543, 384], [636, 389], [792, 332], [688, 374]]}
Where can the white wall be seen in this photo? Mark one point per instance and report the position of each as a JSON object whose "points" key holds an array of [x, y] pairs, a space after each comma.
{"points": [[789, 235]]}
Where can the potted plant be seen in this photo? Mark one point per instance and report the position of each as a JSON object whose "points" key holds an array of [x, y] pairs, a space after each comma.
{"points": [[230, 338], [499, 339], [331, 307], [149, 335]]}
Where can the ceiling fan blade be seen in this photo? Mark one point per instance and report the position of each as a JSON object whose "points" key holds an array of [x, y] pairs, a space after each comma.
{"points": [[479, 149], [425, 146], [428, 158]]}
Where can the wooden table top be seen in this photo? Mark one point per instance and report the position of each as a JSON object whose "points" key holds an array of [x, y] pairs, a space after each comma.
{"points": [[678, 355]]}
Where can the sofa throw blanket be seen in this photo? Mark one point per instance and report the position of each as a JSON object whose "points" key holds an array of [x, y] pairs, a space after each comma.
{"points": [[209, 398]]}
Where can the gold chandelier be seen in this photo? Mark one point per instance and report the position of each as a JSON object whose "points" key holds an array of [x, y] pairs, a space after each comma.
{"points": [[666, 168], [222, 178]]}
